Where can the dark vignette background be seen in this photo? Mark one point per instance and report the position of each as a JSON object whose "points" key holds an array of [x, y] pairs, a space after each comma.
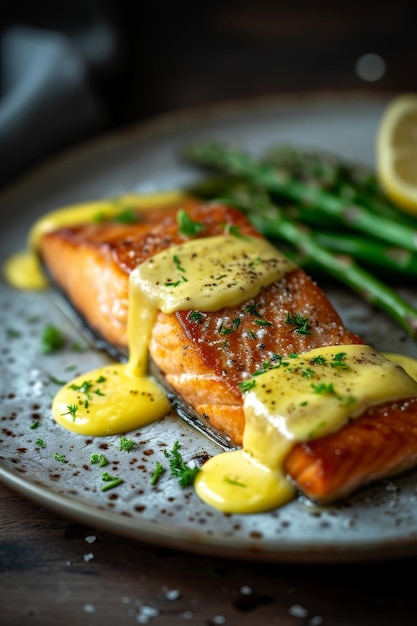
{"points": [[134, 60]]}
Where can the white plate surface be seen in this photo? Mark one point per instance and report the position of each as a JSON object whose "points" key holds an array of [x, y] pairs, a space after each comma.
{"points": [[379, 522]]}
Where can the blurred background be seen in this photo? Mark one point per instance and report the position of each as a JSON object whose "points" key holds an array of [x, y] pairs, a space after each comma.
{"points": [[77, 68]]}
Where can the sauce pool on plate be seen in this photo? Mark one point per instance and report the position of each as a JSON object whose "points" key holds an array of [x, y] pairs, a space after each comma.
{"points": [[304, 397]]}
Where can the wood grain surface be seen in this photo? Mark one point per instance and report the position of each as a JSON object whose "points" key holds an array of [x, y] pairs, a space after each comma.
{"points": [[54, 571]]}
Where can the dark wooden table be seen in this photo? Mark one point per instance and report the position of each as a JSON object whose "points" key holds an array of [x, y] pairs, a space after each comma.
{"points": [[54, 571]]}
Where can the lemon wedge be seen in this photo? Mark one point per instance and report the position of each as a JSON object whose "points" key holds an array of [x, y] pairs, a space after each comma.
{"points": [[396, 151]]}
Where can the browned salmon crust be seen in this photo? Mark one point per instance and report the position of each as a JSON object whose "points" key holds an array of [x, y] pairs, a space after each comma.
{"points": [[206, 361]]}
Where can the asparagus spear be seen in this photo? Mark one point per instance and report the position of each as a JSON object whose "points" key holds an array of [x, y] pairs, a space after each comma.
{"points": [[356, 183], [343, 268], [371, 253], [270, 221], [237, 162], [383, 259]]}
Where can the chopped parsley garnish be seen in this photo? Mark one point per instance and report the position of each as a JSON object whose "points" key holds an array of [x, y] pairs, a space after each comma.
{"points": [[177, 263], [308, 373], [77, 346], [56, 380], [186, 226], [196, 316], [126, 216], [157, 473], [247, 385], [126, 445], [274, 362], [60, 457], [233, 481], [176, 283], [262, 322], [339, 360], [11, 332], [252, 309], [85, 388], [51, 339], [323, 388], [231, 229], [99, 459], [111, 481], [40, 443], [231, 329], [72, 410], [179, 468], [319, 360], [34, 425], [301, 323]]}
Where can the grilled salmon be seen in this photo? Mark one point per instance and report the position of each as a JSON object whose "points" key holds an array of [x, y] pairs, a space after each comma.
{"points": [[207, 360]]}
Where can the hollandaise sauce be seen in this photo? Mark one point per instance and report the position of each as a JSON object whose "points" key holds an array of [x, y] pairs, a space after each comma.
{"points": [[302, 398], [299, 398], [23, 269], [192, 275]]}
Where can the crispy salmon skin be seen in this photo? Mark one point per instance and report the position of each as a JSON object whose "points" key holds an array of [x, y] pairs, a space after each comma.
{"points": [[206, 364]]}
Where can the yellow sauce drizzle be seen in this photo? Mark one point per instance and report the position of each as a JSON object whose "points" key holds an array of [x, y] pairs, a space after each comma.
{"points": [[118, 398], [116, 402], [23, 269], [300, 400], [187, 276], [209, 274]]}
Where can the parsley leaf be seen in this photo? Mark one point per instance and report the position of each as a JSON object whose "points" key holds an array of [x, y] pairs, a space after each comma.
{"points": [[126, 445], [60, 457], [157, 473], [100, 459], [301, 323], [179, 468], [186, 226], [51, 339], [72, 410], [126, 216], [112, 481]]}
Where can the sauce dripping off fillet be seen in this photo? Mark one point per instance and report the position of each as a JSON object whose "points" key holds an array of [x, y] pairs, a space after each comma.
{"points": [[245, 337]]}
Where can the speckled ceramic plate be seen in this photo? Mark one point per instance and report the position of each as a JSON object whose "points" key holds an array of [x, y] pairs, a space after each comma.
{"points": [[378, 522]]}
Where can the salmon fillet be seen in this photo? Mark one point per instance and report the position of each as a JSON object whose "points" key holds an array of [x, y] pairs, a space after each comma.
{"points": [[206, 361]]}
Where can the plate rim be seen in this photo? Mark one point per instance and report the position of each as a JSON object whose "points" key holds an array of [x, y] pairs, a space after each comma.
{"points": [[183, 538], [183, 118]]}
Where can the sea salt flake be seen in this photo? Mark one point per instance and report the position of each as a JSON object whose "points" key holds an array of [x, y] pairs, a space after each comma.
{"points": [[88, 557], [172, 594], [90, 538], [146, 613], [89, 608], [296, 610]]}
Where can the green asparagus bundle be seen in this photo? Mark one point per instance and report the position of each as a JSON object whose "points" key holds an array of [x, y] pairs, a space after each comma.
{"points": [[331, 213]]}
